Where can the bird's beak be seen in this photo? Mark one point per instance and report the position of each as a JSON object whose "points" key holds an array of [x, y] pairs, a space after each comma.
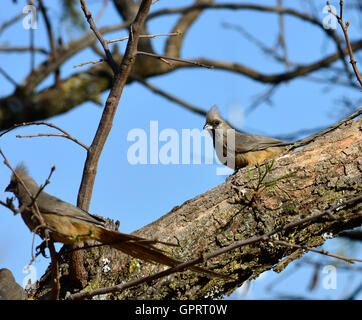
{"points": [[9, 188], [207, 126]]}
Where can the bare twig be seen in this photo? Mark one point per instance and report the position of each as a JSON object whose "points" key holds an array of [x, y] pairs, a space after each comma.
{"points": [[10, 206], [8, 77], [126, 38], [10, 22], [88, 62], [23, 49], [64, 133], [344, 27], [50, 34], [52, 43], [99, 36], [306, 248], [32, 52], [250, 37], [261, 98], [281, 39], [147, 36], [168, 96], [42, 187], [193, 62]]}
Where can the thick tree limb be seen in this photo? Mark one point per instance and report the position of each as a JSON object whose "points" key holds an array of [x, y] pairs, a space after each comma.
{"points": [[326, 173]]}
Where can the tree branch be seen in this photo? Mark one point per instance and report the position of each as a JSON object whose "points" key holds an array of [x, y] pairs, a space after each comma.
{"points": [[237, 221]]}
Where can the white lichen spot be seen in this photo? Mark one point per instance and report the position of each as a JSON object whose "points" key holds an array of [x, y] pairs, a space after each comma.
{"points": [[340, 204], [327, 235], [106, 268], [100, 297], [213, 292]]}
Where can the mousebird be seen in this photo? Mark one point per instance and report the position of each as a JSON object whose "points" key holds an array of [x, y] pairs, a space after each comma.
{"points": [[236, 149], [67, 223]]}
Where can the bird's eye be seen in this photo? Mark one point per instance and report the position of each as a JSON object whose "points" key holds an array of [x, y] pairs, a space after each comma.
{"points": [[216, 122]]}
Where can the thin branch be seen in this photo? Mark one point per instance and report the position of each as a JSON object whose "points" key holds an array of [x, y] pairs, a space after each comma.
{"points": [[32, 52], [345, 32], [168, 96], [171, 34], [64, 133], [10, 22], [9, 205], [193, 62], [281, 39], [306, 248], [123, 39], [8, 77], [250, 37], [261, 98], [88, 62], [23, 49], [48, 25], [52, 43], [99, 36], [42, 187]]}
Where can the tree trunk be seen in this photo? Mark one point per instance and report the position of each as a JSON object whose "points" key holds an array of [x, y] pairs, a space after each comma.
{"points": [[321, 175]]}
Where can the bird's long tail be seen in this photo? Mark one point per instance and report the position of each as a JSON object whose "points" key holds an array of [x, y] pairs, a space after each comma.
{"points": [[144, 249]]}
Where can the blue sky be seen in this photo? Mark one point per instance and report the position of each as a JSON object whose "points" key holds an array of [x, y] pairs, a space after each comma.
{"points": [[139, 194]]}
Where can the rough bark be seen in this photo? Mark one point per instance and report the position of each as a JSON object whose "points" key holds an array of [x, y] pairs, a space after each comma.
{"points": [[325, 172]]}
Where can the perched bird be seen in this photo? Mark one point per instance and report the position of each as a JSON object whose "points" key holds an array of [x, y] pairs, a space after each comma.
{"points": [[236, 149], [67, 223]]}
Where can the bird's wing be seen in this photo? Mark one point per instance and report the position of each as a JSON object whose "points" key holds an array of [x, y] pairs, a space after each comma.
{"points": [[252, 142], [53, 205]]}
